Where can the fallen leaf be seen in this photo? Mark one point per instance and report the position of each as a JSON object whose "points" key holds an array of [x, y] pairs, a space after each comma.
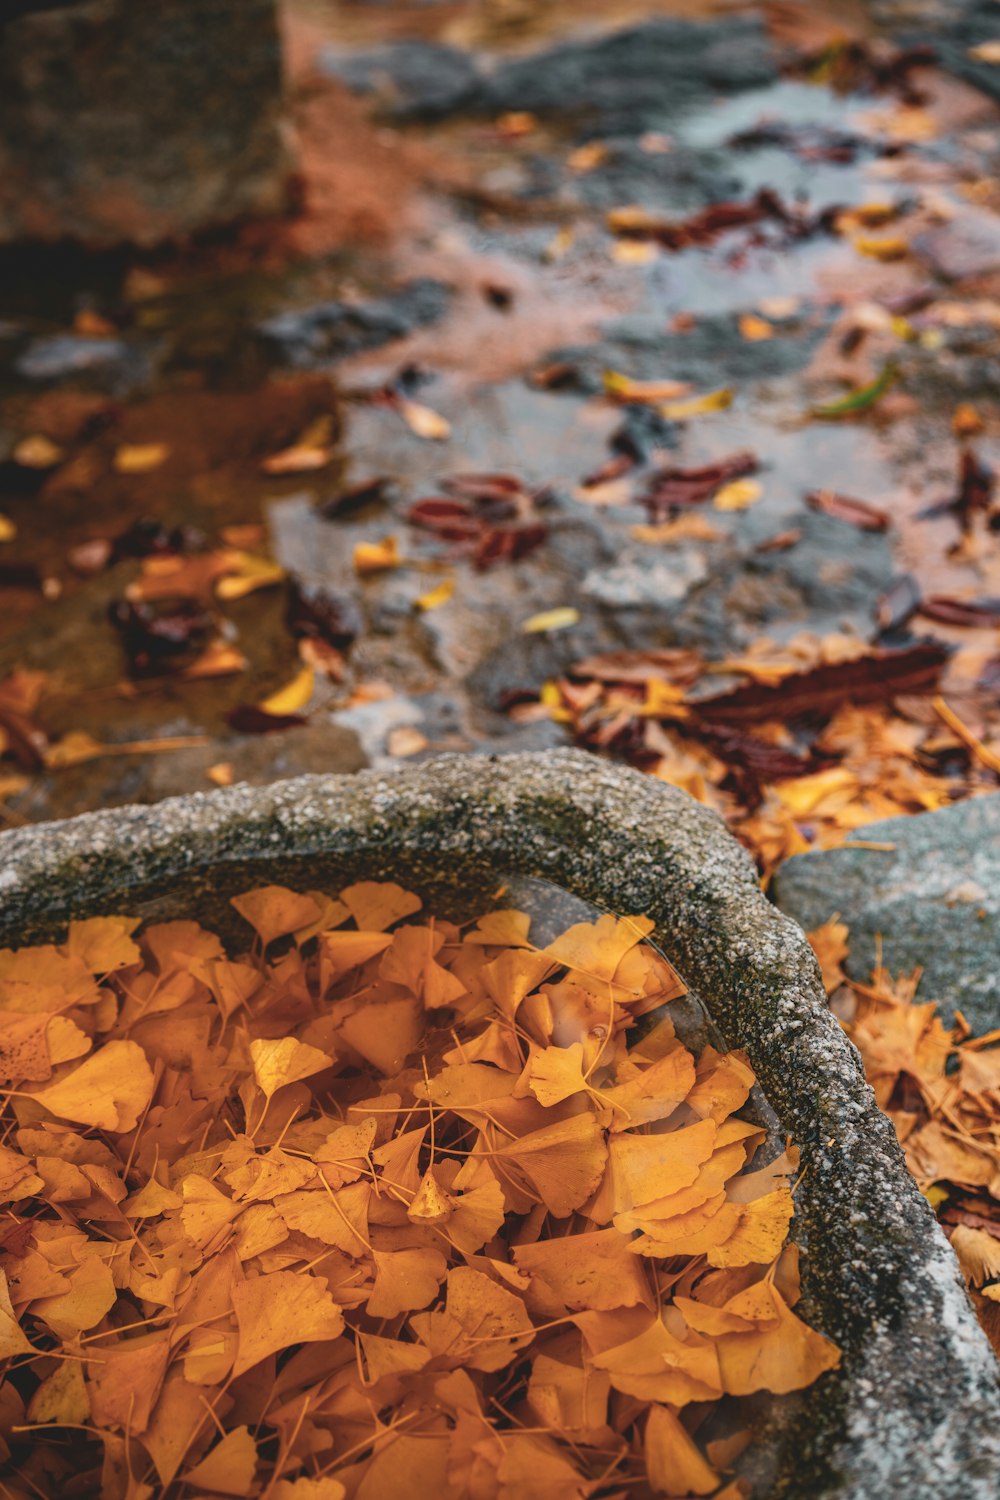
{"points": [[230, 1467], [551, 619], [987, 52], [755, 329], [278, 1063], [437, 596], [109, 1090], [37, 452], [140, 458], [856, 512], [279, 1309], [294, 696], [423, 420], [248, 574], [376, 557], [738, 494], [697, 406], [858, 400]]}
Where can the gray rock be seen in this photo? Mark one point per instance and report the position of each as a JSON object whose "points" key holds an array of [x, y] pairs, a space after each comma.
{"points": [[934, 900], [256, 759], [309, 336], [954, 27], [411, 80], [968, 245], [625, 81], [639, 78], [915, 1408], [709, 355], [139, 122], [106, 364], [645, 579]]}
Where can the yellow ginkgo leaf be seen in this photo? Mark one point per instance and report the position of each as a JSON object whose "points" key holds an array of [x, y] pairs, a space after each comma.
{"points": [[248, 574], [738, 494], [140, 458], [230, 1467], [295, 695], [987, 52], [755, 329], [435, 597], [551, 619], [276, 1063], [109, 1090], [624, 388], [12, 1340], [424, 421], [696, 406], [377, 557]]}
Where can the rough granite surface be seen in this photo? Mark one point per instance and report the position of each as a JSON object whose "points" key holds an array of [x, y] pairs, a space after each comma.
{"points": [[933, 900], [914, 1410]]}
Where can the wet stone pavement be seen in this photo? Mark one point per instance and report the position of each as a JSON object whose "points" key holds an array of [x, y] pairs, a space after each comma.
{"points": [[487, 231]]}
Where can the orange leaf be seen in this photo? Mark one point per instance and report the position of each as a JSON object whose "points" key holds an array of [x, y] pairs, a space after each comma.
{"points": [[124, 1380], [109, 1090], [230, 1467], [284, 1061], [482, 1326], [405, 1280], [673, 1461], [591, 1270], [274, 912], [787, 1356], [563, 1162], [103, 943], [598, 947], [12, 1340], [378, 904], [279, 1309]]}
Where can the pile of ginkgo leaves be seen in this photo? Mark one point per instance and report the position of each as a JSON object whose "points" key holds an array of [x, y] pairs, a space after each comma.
{"points": [[940, 1086], [385, 1206]]}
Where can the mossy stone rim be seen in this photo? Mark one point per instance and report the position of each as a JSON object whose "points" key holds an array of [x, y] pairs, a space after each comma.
{"points": [[915, 1408]]}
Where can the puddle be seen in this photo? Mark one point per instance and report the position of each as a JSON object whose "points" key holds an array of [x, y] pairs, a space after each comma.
{"points": [[512, 228]]}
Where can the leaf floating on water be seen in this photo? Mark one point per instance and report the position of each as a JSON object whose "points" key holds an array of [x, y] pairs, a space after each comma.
{"points": [[697, 406], [843, 508], [624, 388], [861, 399], [294, 696], [738, 494], [376, 557], [297, 460], [248, 574], [437, 596], [423, 420], [551, 619], [986, 52], [755, 329], [140, 458]]}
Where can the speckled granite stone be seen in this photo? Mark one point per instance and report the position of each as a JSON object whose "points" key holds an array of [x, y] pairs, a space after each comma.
{"points": [[915, 1410], [930, 898]]}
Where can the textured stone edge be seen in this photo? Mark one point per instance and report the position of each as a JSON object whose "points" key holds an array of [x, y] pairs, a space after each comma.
{"points": [[876, 891], [919, 1410]]}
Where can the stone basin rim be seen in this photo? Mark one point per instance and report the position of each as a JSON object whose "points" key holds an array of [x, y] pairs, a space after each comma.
{"points": [[916, 1406]]}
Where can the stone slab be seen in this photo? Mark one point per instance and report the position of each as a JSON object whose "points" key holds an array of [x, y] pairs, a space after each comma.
{"points": [[139, 120], [934, 900], [915, 1408]]}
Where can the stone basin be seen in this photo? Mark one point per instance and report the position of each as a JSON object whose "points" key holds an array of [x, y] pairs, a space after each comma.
{"points": [[914, 1410]]}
